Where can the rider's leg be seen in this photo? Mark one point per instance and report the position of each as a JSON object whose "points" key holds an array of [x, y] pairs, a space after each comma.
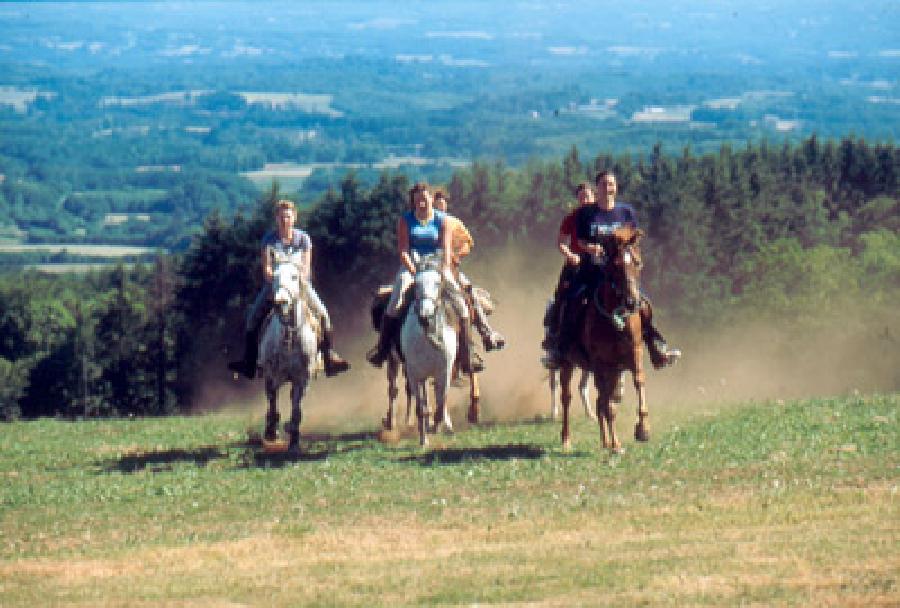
{"points": [[246, 366], [334, 363], [660, 353], [553, 314], [467, 363], [391, 320], [491, 339]]}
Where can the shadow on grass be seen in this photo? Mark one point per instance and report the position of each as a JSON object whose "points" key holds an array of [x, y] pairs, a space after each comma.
{"points": [[164, 460], [314, 447], [491, 452]]}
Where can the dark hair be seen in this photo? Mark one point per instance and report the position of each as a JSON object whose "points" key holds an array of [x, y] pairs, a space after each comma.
{"points": [[582, 187], [602, 175], [417, 187]]}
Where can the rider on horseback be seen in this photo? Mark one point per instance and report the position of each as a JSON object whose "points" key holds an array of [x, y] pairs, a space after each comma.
{"points": [[422, 230], [285, 239], [590, 224], [461, 246]]}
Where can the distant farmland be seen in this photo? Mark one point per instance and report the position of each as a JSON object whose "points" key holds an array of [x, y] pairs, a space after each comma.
{"points": [[100, 251]]}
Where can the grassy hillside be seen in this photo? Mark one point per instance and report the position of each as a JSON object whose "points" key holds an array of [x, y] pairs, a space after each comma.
{"points": [[762, 504]]}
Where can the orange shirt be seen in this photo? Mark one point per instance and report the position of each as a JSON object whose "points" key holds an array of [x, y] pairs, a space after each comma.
{"points": [[462, 241]]}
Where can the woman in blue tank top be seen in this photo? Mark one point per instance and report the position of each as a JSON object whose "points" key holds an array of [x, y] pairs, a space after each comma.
{"points": [[423, 231]]}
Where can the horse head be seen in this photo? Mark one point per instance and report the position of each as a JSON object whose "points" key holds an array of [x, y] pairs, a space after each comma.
{"points": [[286, 287], [429, 283], [624, 266]]}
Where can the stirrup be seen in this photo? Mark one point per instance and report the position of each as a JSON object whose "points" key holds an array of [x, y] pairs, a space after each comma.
{"points": [[335, 364], [376, 357], [243, 368], [664, 356], [552, 360], [493, 341]]}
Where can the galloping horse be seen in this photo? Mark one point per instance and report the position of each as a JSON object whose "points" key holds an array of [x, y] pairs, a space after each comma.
{"points": [[609, 340], [396, 366], [288, 347], [428, 343]]}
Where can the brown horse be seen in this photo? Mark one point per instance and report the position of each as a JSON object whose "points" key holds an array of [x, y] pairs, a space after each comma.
{"points": [[608, 341]]}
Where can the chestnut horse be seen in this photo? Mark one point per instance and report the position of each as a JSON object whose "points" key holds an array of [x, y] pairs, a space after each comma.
{"points": [[608, 340]]}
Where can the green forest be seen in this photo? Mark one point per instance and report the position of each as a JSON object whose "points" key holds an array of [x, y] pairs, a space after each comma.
{"points": [[808, 232]]}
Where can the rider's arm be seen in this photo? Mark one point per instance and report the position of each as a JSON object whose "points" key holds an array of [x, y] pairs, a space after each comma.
{"points": [[447, 243], [403, 245], [564, 237], [268, 273], [592, 248]]}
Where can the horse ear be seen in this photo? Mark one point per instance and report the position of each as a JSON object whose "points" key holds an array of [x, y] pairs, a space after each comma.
{"points": [[280, 257], [296, 258]]}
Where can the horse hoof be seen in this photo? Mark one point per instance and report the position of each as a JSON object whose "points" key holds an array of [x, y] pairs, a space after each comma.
{"points": [[386, 424], [641, 433], [618, 450], [567, 445]]}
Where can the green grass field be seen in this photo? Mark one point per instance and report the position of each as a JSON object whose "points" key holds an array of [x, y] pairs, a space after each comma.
{"points": [[761, 504]]}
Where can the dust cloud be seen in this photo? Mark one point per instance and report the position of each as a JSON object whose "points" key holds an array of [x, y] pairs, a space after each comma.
{"points": [[746, 361]]}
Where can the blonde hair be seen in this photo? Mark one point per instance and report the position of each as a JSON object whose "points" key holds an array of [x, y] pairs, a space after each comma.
{"points": [[285, 204]]}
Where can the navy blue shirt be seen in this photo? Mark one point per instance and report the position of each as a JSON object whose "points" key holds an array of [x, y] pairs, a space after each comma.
{"points": [[592, 223]]}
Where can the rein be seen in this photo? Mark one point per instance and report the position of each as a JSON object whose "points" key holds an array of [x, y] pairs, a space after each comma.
{"points": [[620, 314]]}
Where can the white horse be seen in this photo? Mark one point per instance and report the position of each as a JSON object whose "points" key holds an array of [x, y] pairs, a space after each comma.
{"points": [[428, 343], [288, 347]]}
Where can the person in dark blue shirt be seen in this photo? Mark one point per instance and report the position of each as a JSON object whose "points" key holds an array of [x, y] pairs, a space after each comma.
{"points": [[593, 223]]}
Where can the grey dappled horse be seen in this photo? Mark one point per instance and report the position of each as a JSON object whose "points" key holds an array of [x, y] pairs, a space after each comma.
{"points": [[428, 342], [288, 347]]}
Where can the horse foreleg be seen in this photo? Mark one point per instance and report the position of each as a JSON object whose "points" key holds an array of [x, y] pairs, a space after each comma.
{"points": [[422, 412], [298, 388], [554, 386], [604, 382], [442, 412], [272, 417], [642, 428], [584, 391], [392, 371], [474, 399], [409, 401], [565, 379]]}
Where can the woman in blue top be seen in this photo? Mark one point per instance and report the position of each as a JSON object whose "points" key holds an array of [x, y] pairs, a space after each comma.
{"points": [[421, 230]]}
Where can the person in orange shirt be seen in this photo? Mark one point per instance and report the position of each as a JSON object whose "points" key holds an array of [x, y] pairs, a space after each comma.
{"points": [[461, 245]]}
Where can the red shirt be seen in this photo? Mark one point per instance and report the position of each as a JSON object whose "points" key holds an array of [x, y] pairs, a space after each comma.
{"points": [[567, 228]]}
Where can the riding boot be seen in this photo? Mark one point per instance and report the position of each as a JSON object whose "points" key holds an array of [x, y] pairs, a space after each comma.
{"points": [[660, 353], [247, 366], [389, 327], [557, 341], [551, 325], [491, 339], [467, 362], [334, 363]]}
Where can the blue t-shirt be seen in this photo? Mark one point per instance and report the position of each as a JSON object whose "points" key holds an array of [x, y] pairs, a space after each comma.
{"points": [[593, 223], [424, 237]]}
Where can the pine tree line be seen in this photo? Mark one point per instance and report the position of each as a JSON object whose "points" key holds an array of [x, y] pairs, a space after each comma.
{"points": [[768, 229]]}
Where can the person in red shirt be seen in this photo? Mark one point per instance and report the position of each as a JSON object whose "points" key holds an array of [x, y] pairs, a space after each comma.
{"points": [[572, 251]]}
